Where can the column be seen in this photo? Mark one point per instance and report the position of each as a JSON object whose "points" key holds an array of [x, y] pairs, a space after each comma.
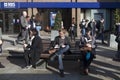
{"points": [[78, 21]]}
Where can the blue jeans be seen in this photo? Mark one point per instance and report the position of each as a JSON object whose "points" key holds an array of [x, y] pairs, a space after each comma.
{"points": [[38, 29], [83, 31], [59, 54]]}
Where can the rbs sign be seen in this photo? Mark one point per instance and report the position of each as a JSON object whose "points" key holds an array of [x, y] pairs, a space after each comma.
{"points": [[9, 5]]}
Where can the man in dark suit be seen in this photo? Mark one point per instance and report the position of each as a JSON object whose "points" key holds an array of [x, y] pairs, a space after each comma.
{"points": [[33, 49]]}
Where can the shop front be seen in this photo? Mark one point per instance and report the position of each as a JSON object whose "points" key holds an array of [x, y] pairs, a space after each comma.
{"points": [[10, 21]]}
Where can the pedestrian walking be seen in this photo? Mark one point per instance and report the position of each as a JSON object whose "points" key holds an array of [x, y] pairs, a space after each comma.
{"points": [[72, 32], [38, 23], [24, 28], [82, 26]]}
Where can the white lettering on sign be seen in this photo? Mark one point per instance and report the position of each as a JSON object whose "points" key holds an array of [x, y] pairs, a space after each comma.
{"points": [[9, 5]]}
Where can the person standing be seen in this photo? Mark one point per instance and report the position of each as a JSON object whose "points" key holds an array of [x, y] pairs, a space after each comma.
{"points": [[102, 30], [82, 26], [1, 42], [117, 33], [24, 27], [38, 23], [72, 32], [62, 44]]}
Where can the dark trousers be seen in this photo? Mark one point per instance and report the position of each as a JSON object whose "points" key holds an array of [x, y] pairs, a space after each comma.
{"points": [[30, 58], [118, 51], [86, 63], [72, 34], [35, 56], [27, 57]]}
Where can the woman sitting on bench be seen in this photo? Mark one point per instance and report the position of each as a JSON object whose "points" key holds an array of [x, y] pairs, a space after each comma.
{"points": [[87, 51], [87, 57]]}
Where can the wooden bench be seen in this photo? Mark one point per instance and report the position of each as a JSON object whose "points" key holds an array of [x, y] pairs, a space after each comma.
{"points": [[72, 55]]}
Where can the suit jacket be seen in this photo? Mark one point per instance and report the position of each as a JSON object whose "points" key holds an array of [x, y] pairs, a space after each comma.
{"points": [[36, 47]]}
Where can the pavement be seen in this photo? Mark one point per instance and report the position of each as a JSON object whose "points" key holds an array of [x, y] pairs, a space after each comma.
{"points": [[102, 68]]}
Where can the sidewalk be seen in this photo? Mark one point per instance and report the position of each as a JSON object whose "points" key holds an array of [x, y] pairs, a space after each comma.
{"points": [[102, 68]]}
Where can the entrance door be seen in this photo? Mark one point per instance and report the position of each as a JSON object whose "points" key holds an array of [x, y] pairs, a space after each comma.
{"points": [[2, 22], [12, 23], [8, 23]]}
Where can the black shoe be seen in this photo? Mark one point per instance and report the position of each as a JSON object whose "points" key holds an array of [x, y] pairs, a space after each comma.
{"points": [[62, 73], [85, 72], [34, 67], [94, 56], [17, 41]]}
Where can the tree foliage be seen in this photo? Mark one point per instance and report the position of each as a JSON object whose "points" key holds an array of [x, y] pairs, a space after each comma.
{"points": [[58, 20], [117, 15]]}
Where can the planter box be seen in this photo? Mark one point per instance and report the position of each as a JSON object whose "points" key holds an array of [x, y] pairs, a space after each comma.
{"points": [[54, 33], [113, 43]]}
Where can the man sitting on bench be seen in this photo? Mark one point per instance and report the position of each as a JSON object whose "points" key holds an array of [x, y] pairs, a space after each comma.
{"points": [[61, 44]]}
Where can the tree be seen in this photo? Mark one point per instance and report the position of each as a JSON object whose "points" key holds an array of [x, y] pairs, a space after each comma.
{"points": [[58, 20], [117, 15]]}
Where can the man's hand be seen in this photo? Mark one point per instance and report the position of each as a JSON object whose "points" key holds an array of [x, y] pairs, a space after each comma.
{"points": [[56, 46], [63, 46], [25, 45]]}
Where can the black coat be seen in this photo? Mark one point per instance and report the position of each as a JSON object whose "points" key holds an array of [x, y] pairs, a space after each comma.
{"points": [[36, 48]]}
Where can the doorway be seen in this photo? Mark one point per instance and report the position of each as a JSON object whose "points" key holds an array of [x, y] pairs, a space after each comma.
{"points": [[2, 23], [10, 22]]}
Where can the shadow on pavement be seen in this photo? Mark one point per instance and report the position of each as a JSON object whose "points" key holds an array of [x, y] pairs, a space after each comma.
{"points": [[107, 65], [104, 73], [16, 58], [1, 66], [105, 52], [19, 61]]}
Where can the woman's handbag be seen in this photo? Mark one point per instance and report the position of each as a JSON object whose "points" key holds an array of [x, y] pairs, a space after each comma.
{"points": [[52, 51]]}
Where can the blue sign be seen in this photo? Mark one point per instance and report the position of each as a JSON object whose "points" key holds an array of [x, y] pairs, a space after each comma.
{"points": [[52, 18], [10, 5], [59, 4]]}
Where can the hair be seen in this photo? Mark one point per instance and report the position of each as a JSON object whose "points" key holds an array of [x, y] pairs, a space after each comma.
{"points": [[27, 16], [24, 12], [37, 17], [34, 30], [62, 30]]}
